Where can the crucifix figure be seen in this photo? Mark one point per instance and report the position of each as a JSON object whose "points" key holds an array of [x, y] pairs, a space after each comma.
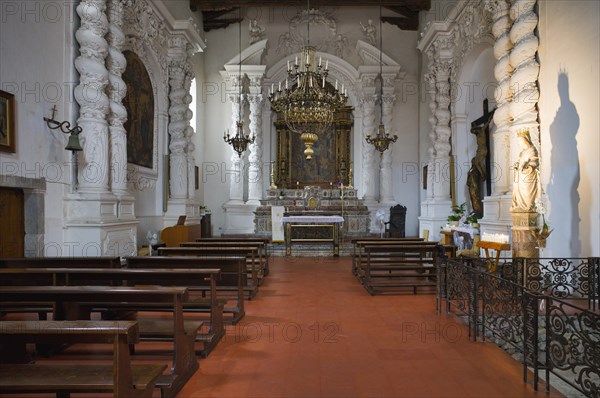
{"points": [[480, 164]]}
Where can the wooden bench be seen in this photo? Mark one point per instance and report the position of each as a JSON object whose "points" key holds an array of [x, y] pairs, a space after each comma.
{"points": [[75, 302], [257, 255], [49, 262], [250, 253], [359, 243], [263, 243], [205, 278], [229, 286], [121, 378], [389, 268]]}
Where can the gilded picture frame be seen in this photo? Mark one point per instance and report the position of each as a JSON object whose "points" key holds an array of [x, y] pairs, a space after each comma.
{"points": [[7, 122]]}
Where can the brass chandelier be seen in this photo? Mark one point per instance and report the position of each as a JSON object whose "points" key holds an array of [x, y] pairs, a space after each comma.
{"points": [[309, 104], [239, 141], [382, 140]]}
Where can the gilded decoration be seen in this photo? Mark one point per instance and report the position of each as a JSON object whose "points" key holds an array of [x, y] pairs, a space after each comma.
{"points": [[331, 160]]}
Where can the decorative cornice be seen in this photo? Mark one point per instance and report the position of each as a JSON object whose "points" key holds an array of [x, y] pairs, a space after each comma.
{"points": [[188, 27]]}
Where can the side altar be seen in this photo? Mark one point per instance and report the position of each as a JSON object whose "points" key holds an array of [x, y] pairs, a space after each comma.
{"points": [[316, 201]]}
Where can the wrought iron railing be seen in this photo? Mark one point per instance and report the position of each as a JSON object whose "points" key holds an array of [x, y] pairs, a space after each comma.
{"points": [[531, 306]]}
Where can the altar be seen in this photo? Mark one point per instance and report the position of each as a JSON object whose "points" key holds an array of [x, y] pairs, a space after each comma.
{"points": [[311, 228], [317, 202]]}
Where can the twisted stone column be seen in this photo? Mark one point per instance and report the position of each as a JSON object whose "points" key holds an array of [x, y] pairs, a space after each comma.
{"points": [[386, 185], [236, 184], [189, 133], [504, 93], [430, 80], [179, 121], [116, 92], [255, 181], [524, 108], [443, 131], [368, 151], [91, 97]]}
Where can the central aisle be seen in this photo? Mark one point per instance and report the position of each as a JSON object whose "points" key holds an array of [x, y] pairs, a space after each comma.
{"points": [[313, 331]]}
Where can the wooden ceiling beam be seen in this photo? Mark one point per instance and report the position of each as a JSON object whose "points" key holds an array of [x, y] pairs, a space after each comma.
{"points": [[218, 5], [402, 23]]}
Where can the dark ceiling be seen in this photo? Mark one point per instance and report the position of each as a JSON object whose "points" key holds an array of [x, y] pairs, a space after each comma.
{"points": [[220, 13]]}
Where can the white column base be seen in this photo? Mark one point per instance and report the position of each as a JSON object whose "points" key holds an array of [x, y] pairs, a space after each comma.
{"points": [[179, 207], [434, 215], [100, 239], [239, 219], [497, 218]]}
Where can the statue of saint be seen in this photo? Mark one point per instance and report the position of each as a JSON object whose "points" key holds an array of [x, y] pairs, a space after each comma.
{"points": [[526, 180], [369, 31], [256, 32]]}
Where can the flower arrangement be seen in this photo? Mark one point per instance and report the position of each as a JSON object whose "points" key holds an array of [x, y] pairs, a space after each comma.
{"points": [[457, 213], [471, 219], [541, 233]]}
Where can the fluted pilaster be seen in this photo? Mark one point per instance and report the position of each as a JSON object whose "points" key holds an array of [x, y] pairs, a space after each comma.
{"points": [[116, 92], [255, 180], [443, 131], [368, 152], [386, 185], [91, 97]]}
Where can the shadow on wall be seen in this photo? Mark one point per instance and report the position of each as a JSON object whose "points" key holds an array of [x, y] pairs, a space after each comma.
{"points": [[563, 187]]}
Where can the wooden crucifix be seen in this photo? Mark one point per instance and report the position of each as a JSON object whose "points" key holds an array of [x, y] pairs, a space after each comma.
{"points": [[480, 164]]}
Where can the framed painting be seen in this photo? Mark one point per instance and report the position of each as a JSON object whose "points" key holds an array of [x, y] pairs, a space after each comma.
{"points": [[139, 102], [7, 122]]}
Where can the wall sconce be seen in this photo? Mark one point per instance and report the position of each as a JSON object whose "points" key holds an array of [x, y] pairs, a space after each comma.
{"points": [[73, 143]]}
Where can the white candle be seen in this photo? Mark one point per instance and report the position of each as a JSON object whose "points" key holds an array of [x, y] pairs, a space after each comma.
{"points": [[319, 60], [307, 59], [286, 84], [310, 81], [336, 84], [342, 88], [279, 86], [288, 63], [272, 88], [296, 61], [326, 64], [323, 81]]}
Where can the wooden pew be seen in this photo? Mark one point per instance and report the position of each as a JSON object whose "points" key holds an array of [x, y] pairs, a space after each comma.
{"points": [[74, 303], [359, 243], [389, 268], [261, 258], [121, 378], [230, 285], [49, 262], [264, 242], [205, 278], [250, 253]]}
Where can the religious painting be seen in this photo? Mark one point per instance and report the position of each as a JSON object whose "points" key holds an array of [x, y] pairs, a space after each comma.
{"points": [[331, 163], [139, 102], [7, 122], [321, 168]]}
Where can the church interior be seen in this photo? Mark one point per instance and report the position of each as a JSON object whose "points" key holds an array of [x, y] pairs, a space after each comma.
{"points": [[316, 198]]}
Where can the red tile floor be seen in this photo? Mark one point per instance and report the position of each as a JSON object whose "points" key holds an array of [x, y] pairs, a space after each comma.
{"points": [[313, 331]]}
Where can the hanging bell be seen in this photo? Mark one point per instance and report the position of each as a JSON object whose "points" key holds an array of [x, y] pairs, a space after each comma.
{"points": [[73, 144]]}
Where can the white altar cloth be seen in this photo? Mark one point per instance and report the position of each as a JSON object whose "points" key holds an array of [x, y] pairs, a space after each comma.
{"points": [[313, 219]]}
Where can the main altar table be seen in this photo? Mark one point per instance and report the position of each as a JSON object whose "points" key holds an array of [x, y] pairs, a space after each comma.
{"points": [[312, 229]]}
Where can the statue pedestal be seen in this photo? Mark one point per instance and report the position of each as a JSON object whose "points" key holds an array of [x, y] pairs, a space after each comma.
{"points": [[524, 242]]}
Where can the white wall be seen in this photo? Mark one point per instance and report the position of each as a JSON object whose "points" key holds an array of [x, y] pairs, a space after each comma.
{"points": [[569, 115], [36, 53]]}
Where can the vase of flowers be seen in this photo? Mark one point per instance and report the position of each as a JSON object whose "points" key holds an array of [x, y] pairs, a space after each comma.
{"points": [[542, 233], [457, 214]]}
